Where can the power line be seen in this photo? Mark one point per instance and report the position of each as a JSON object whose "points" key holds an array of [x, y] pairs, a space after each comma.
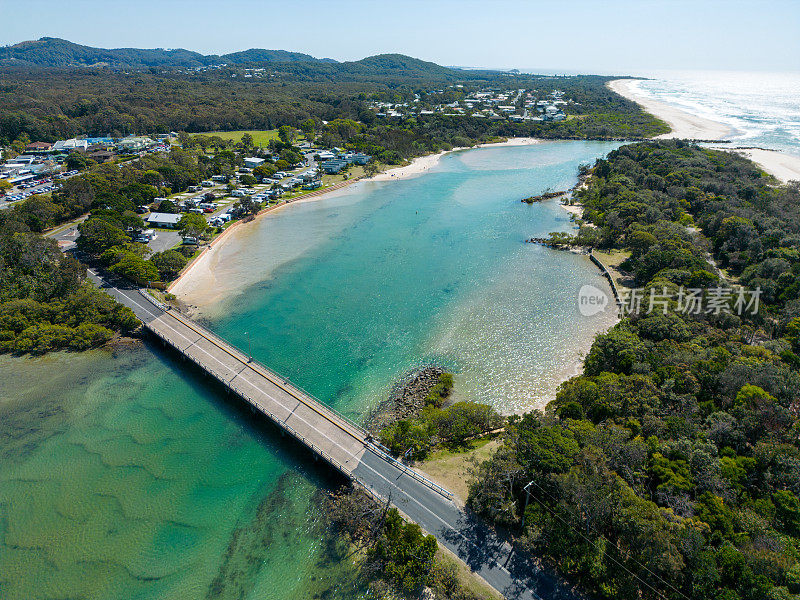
{"points": [[600, 535]]}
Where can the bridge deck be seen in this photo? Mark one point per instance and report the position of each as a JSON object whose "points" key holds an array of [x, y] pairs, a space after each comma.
{"points": [[344, 445], [314, 424]]}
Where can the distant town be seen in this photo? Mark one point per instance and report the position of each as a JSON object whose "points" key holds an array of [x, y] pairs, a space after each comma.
{"points": [[487, 103]]}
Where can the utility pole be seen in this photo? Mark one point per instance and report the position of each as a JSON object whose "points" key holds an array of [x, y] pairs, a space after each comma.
{"points": [[527, 496]]}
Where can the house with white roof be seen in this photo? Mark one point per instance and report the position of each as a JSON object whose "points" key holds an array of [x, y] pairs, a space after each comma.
{"points": [[70, 145], [252, 162], [168, 220]]}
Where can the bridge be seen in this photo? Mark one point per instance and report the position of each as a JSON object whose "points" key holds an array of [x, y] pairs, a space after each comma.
{"points": [[348, 449]]}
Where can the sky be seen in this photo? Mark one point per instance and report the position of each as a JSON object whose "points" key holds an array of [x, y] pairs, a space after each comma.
{"points": [[587, 36]]}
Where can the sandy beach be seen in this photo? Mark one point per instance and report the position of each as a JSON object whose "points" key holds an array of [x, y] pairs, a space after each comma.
{"points": [[683, 124], [197, 286], [784, 167], [423, 163], [573, 209]]}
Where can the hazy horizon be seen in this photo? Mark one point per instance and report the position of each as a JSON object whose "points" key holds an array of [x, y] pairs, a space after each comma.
{"points": [[615, 37]]}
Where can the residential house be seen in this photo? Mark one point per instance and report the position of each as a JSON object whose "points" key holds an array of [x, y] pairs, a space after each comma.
{"points": [[38, 147], [168, 220], [252, 162], [70, 145], [99, 153], [333, 166], [135, 143]]}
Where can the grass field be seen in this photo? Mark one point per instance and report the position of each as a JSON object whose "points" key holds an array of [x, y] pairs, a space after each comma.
{"points": [[260, 137], [450, 468]]}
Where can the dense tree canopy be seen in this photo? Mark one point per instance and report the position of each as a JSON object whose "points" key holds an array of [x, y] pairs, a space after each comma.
{"points": [[671, 467], [45, 302], [49, 104]]}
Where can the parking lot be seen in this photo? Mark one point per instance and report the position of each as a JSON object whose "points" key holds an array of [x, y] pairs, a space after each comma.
{"points": [[33, 187]]}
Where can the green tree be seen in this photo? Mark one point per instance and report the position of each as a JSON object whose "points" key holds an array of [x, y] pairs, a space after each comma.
{"points": [[153, 178], [139, 193], [137, 269], [98, 235], [217, 143], [192, 225], [167, 206], [371, 168], [264, 170], [406, 554], [22, 141], [247, 179], [308, 127], [291, 157], [203, 141], [246, 205], [547, 449], [286, 134], [77, 161], [185, 140], [247, 141], [169, 263]]}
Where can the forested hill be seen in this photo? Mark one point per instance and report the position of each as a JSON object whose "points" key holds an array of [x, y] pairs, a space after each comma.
{"points": [[403, 66], [55, 52]]}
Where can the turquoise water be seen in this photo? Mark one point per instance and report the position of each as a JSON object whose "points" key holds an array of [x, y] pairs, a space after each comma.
{"points": [[126, 475], [122, 478], [356, 290]]}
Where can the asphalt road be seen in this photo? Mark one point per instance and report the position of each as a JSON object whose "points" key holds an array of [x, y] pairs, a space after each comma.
{"points": [[464, 534], [513, 575], [67, 234]]}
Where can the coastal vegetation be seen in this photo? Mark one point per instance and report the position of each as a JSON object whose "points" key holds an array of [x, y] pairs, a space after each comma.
{"points": [[415, 419], [669, 468], [451, 426], [545, 196], [395, 558], [57, 103], [45, 301]]}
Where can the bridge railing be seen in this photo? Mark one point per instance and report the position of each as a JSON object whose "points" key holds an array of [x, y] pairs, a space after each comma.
{"points": [[411, 472], [272, 416], [370, 445], [285, 380]]}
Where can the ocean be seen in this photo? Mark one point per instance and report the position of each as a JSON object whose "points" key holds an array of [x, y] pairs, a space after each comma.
{"points": [[762, 108], [126, 474]]}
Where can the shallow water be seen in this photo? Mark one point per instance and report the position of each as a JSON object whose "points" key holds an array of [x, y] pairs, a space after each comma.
{"points": [[126, 474], [355, 290], [122, 478]]}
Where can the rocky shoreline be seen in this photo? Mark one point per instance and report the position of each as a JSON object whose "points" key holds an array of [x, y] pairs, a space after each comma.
{"points": [[406, 399], [545, 196]]}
